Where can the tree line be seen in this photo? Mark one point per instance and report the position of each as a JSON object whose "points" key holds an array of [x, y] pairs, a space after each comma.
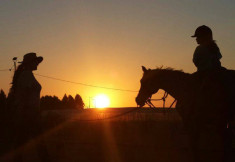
{"points": [[50, 102]]}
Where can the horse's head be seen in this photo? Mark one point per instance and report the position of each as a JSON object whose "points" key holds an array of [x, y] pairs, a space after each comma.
{"points": [[148, 87]]}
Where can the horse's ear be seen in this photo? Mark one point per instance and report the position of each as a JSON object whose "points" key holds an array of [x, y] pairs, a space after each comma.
{"points": [[144, 69]]}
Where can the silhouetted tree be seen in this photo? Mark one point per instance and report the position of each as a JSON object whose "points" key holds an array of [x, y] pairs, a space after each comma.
{"points": [[50, 103], [71, 102], [64, 101], [79, 104], [67, 102], [3, 101]]}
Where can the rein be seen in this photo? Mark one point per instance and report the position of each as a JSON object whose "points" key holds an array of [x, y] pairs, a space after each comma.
{"points": [[151, 105]]}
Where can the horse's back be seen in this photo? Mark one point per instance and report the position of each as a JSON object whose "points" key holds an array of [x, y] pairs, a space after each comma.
{"points": [[229, 82], [230, 86]]}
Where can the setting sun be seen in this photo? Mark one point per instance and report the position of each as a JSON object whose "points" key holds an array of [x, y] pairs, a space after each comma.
{"points": [[101, 101]]}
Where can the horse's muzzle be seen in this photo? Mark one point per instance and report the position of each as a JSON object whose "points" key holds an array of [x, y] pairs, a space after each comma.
{"points": [[140, 102]]}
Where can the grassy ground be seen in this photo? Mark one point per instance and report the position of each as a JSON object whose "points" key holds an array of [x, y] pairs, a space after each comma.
{"points": [[136, 137]]}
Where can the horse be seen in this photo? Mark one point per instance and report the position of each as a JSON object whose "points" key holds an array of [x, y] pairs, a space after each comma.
{"points": [[203, 102]]}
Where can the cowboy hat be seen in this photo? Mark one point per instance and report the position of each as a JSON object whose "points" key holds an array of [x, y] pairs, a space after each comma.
{"points": [[31, 57]]}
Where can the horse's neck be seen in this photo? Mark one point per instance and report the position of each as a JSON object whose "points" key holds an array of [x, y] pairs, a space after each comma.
{"points": [[176, 83]]}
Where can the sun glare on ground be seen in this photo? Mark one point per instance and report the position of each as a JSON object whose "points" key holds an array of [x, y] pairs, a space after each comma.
{"points": [[101, 101]]}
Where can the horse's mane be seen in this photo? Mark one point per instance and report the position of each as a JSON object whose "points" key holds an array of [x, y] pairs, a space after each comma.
{"points": [[168, 69]]}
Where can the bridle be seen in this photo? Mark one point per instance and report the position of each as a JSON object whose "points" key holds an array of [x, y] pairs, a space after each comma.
{"points": [[151, 105]]}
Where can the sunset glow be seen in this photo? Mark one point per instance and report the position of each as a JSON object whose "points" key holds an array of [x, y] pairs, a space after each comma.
{"points": [[101, 101], [105, 43]]}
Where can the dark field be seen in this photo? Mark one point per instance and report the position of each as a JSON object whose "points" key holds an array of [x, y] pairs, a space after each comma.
{"points": [[146, 135]]}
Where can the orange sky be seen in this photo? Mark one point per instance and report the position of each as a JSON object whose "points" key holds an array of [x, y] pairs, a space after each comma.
{"points": [[105, 43]]}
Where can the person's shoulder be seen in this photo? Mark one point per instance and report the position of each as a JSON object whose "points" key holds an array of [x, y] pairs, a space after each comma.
{"points": [[201, 49], [25, 75]]}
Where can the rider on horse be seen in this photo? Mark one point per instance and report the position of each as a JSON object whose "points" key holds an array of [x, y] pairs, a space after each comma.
{"points": [[206, 58], [207, 55], [214, 83]]}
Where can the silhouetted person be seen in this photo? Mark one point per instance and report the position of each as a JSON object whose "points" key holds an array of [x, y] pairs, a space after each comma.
{"points": [[210, 124], [207, 55], [25, 103]]}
